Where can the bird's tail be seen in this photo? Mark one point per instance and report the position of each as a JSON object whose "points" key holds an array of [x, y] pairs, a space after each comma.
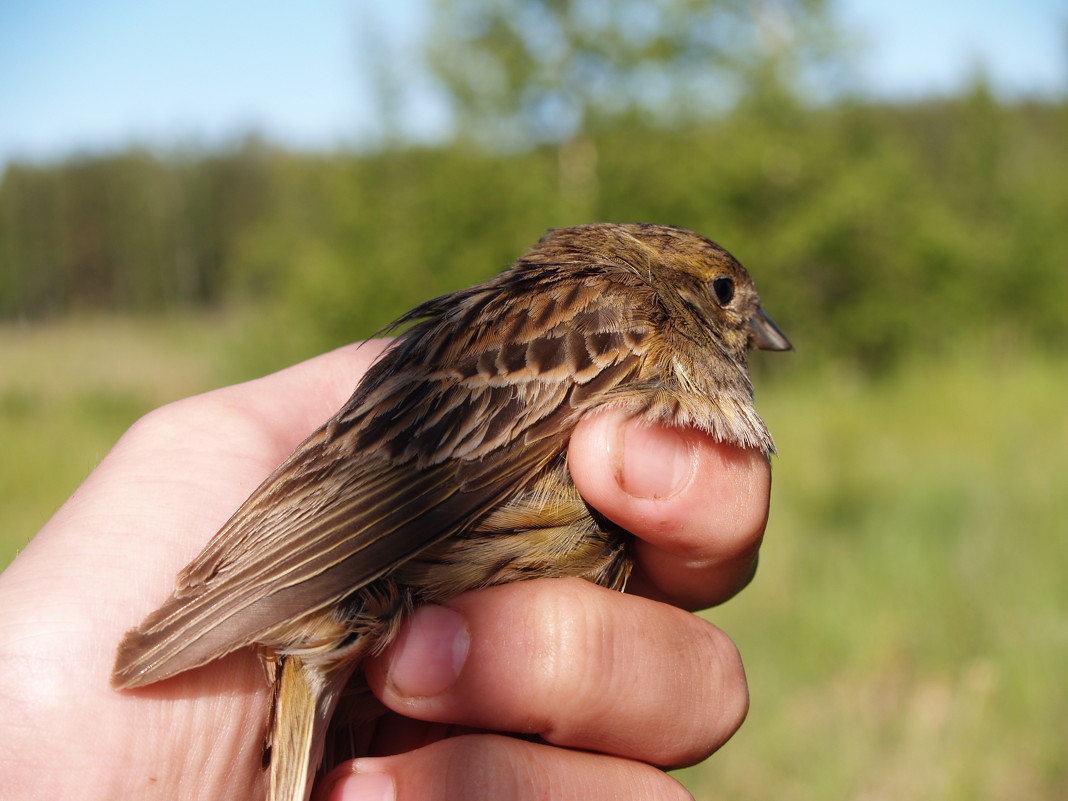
{"points": [[306, 695]]}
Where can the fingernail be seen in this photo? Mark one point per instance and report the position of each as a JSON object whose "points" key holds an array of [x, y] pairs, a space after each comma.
{"points": [[652, 461], [429, 652], [363, 787]]}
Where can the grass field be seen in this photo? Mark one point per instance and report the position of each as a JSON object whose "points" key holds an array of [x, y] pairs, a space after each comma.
{"points": [[907, 635]]}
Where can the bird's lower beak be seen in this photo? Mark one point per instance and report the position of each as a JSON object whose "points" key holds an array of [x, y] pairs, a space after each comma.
{"points": [[765, 334]]}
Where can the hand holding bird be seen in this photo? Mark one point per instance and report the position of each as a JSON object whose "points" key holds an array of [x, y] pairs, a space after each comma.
{"points": [[447, 469], [176, 476]]}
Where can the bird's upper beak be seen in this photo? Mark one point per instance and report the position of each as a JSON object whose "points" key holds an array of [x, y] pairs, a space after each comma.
{"points": [[765, 334]]}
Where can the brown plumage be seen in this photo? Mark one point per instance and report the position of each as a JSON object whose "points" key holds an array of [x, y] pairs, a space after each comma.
{"points": [[447, 468]]}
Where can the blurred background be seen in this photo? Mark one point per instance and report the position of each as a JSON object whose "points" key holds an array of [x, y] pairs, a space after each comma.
{"points": [[197, 193]]}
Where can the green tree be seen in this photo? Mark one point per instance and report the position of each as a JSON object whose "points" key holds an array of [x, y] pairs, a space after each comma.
{"points": [[523, 72]]}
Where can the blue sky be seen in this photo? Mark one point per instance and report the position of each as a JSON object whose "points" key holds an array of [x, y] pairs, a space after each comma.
{"points": [[95, 74]]}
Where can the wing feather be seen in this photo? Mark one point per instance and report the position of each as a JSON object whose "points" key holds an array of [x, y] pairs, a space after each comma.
{"points": [[449, 423]]}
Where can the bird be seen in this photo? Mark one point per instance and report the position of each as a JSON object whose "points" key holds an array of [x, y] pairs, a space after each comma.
{"points": [[446, 470]]}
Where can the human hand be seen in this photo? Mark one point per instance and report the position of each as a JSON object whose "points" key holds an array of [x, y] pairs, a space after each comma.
{"points": [[612, 684]]}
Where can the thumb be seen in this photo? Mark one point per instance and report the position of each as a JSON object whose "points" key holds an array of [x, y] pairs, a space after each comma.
{"points": [[698, 506]]}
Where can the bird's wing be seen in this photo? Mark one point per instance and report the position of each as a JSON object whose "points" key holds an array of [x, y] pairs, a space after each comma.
{"points": [[466, 409]]}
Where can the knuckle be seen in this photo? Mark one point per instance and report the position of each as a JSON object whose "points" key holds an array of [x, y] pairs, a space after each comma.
{"points": [[567, 631], [718, 699]]}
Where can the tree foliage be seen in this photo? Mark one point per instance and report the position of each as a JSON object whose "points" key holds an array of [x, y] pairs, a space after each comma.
{"points": [[874, 231], [525, 71]]}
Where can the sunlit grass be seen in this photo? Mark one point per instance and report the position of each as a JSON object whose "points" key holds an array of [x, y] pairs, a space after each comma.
{"points": [[907, 634], [68, 390]]}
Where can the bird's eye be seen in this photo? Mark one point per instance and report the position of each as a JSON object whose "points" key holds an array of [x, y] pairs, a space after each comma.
{"points": [[724, 290]]}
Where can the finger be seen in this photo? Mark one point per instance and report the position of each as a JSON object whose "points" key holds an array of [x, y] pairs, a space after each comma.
{"points": [[494, 768], [576, 664], [698, 506]]}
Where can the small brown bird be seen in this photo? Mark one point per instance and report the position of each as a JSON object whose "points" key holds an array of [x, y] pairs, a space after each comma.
{"points": [[447, 468]]}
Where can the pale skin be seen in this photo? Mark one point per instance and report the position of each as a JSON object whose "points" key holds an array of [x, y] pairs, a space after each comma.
{"points": [[615, 686]]}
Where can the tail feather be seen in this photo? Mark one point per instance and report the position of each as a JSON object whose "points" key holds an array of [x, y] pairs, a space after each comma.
{"points": [[304, 702]]}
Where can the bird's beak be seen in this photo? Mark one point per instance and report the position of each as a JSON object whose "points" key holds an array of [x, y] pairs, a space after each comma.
{"points": [[765, 334]]}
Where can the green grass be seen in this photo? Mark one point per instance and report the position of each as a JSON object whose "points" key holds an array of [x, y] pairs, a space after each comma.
{"points": [[907, 634], [68, 390]]}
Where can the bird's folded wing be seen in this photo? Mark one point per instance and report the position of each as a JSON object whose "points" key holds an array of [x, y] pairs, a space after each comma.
{"points": [[433, 439]]}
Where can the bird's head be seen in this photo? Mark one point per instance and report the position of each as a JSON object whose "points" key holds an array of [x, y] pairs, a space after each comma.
{"points": [[693, 276]]}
